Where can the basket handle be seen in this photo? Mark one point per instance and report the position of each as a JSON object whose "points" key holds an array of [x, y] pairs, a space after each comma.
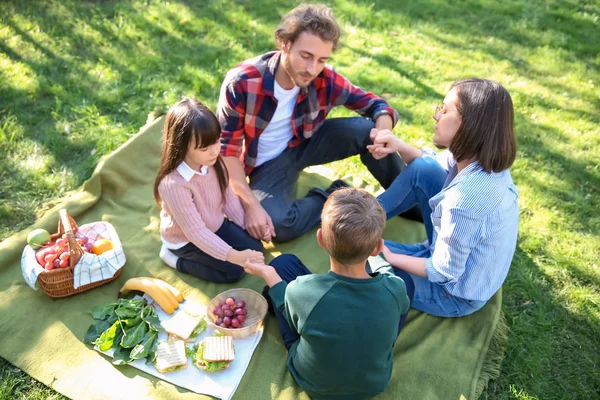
{"points": [[66, 224]]}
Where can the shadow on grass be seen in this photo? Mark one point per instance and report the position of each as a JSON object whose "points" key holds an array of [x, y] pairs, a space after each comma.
{"points": [[541, 323]]}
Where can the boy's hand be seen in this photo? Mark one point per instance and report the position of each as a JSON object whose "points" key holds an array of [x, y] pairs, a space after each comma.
{"points": [[240, 257], [266, 272]]}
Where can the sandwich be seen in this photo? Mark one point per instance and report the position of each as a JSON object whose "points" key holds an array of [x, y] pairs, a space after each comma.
{"points": [[214, 353], [170, 356], [184, 326]]}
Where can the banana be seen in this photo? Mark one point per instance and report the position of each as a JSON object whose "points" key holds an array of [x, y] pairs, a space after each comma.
{"points": [[164, 286], [147, 285], [173, 290]]}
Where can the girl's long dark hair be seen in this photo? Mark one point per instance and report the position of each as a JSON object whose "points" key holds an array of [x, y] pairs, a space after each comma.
{"points": [[186, 120]]}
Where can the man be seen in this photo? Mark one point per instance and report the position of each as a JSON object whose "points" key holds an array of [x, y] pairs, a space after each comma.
{"points": [[275, 105]]}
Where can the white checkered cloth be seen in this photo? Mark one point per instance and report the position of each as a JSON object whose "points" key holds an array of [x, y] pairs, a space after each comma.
{"points": [[90, 268]]}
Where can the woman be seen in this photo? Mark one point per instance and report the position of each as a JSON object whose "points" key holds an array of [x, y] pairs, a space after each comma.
{"points": [[467, 196]]}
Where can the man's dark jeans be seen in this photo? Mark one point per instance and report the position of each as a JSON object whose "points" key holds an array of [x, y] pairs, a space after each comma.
{"points": [[274, 183]]}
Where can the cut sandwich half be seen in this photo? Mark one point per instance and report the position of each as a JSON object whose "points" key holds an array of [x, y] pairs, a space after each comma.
{"points": [[184, 326], [170, 356], [214, 353]]}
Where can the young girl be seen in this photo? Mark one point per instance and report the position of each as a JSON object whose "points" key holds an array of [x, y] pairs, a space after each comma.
{"points": [[467, 196], [192, 187]]}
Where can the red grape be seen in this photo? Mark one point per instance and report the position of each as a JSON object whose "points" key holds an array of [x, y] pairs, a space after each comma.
{"points": [[226, 321], [230, 301], [56, 263], [241, 318], [219, 321], [228, 313], [240, 304], [239, 311], [235, 323]]}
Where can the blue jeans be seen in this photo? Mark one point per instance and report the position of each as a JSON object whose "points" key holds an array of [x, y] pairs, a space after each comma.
{"points": [[289, 267], [195, 262], [420, 180], [430, 297], [274, 183]]}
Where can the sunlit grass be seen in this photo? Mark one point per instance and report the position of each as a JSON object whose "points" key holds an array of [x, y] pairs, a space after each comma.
{"points": [[77, 79]]}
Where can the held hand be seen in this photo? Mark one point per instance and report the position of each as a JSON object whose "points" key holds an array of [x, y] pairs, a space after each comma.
{"points": [[259, 224], [240, 257], [266, 272], [254, 267], [384, 143]]}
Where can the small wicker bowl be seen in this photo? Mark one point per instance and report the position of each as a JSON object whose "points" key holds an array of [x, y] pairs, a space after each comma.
{"points": [[255, 304]]}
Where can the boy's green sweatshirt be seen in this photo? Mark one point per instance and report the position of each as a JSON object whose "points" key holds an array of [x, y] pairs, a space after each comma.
{"points": [[347, 330]]}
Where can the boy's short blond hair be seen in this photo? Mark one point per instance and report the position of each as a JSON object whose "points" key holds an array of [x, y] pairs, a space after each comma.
{"points": [[352, 224]]}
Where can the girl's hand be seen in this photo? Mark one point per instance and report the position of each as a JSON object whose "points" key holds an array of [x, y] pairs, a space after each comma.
{"points": [[240, 257], [254, 267], [266, 272]]}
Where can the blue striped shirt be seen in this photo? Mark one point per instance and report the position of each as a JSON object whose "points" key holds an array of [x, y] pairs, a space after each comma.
{"points": [[475, 222]]}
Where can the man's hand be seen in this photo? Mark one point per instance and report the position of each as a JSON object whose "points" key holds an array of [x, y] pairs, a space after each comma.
{"points": [[266, 272], [241, 257], [384, 143], [258, 223]]}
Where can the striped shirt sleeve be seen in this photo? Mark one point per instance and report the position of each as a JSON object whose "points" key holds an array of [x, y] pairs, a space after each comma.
{"points": [[458, 235]]}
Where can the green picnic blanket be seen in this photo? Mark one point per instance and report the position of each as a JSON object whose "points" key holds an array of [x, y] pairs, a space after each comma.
{"points": [[434, 358]]}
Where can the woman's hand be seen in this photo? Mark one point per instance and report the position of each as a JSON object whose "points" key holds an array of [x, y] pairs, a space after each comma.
{"points": [[387, 253], [384, 143]]}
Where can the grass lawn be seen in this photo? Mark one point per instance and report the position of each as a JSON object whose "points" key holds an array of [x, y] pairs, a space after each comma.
{"points": [[78, 78]]}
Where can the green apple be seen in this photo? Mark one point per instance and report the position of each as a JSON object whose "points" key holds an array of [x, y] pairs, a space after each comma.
{"points": [[37, 238]]}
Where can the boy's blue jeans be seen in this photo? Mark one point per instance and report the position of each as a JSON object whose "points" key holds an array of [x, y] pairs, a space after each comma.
{"points": [[422, 179], [274, 183], [289, 267]]}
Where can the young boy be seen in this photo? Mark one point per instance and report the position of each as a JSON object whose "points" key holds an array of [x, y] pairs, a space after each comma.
{"points": [[340, 327]]}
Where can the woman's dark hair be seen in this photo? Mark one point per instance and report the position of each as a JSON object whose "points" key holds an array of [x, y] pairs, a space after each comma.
{"points": [[486, 132], [186, 121]]}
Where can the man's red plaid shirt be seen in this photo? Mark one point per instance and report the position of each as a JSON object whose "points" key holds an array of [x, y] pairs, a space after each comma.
{"points": [[247, 104]]}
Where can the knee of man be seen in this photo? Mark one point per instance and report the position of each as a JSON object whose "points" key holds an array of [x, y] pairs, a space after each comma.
{"points": [[284, 231]]}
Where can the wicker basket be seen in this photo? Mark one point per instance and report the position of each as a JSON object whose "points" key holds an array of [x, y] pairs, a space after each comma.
{"points": [[255, 304], [59, 282]]}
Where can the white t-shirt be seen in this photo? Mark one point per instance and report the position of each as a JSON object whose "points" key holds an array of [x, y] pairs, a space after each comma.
{"points": [[274, 139]]}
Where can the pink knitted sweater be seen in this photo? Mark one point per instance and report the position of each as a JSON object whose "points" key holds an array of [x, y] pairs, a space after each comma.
{"points": [[192, 210]]}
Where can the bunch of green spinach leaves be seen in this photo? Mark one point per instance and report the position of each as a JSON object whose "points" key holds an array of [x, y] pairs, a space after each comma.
{"points": [[129, 326]]}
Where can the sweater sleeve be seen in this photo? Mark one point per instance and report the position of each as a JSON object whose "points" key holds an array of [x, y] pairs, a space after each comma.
{"points": [[183, 210], [233, 208]]}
